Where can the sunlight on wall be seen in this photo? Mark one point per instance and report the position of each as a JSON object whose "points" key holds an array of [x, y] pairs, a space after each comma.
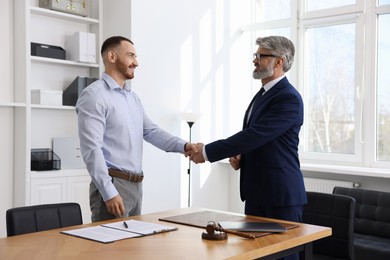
{"points": [[240, 90], [206, 108], [186, 87], [219, 25], [219, 102], [186, 70], [205, 45]]}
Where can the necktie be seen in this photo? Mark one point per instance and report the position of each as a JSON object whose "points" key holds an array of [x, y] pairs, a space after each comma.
{"points": [[254, 101]]}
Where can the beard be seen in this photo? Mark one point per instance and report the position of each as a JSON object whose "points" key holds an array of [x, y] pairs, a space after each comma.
{"points": [[268, 71], [124, 69]]}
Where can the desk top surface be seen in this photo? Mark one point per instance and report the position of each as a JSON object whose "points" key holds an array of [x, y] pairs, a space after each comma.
{"points": [[185, 243]]}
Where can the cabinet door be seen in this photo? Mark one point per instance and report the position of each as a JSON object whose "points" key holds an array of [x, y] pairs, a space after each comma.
{"points": [[78, 191], [48, 190]]}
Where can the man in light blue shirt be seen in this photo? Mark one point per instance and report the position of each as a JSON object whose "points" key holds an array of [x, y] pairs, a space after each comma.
{"points": [[112, 126]]}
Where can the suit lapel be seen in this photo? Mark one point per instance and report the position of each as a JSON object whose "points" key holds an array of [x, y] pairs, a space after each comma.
{"points": [[267, 95], [249, 109]]}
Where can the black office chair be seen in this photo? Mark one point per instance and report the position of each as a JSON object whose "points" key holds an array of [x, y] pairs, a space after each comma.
{"points": [[30, 219], [337, 212], [372, 222]]}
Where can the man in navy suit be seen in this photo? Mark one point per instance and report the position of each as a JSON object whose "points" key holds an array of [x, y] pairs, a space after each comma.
{"points": [[266, 149]]}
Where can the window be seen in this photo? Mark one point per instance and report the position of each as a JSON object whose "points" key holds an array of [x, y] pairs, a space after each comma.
{"points": [[316, 5], [329, 89], [341, 70], [384, 2], [383, 89], [266, 10]]}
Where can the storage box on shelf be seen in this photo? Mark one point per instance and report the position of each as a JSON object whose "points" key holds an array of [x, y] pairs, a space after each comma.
{"points": [[77, 7], [81, 47], [49, 51], [46, 97], [44, 160], [73, 91]]}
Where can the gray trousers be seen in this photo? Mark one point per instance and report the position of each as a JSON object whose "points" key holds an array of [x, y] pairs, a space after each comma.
{"points": [[130, 192]]}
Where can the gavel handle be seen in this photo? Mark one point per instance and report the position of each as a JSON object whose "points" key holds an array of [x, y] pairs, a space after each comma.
{"points": [[238, 233]]}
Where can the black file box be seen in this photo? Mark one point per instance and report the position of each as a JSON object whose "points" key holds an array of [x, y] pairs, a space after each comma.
{"points": [[73, 91], [44, 160], [48, 51]]}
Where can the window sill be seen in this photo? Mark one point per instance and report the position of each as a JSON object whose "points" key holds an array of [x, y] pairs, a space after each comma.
{"points": [[347, 170], [340, 169]]}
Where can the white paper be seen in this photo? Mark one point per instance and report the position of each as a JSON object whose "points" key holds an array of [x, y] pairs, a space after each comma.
{"points": [[101, 234]]}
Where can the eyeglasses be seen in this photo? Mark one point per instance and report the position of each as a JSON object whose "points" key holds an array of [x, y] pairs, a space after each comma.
{"points": [[258, 56]]}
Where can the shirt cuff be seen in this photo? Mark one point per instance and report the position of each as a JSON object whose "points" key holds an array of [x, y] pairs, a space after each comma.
{"points": [[181, 145], [109, 192], [204, 153]]}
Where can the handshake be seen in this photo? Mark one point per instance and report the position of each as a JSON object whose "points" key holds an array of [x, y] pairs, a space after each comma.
{"points": [[194, 152]]}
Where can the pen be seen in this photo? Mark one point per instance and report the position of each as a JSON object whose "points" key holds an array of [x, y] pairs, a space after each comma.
{"points": [[126, 226]]}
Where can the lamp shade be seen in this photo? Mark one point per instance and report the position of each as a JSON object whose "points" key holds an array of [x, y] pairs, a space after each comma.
{"points": [[190, 117]]}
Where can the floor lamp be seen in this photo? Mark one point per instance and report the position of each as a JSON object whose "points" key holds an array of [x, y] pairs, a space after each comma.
{"points": [[190, 118]]}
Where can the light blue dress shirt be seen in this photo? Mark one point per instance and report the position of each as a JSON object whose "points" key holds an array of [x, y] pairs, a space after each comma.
{"points": [[112, 126]]}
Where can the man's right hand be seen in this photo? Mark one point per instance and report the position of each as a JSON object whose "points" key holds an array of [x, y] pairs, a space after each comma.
{"points": [[196, 154], [115, 206]]}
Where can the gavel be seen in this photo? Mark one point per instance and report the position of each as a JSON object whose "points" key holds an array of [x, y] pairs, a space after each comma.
{"points": [[211, 234]]}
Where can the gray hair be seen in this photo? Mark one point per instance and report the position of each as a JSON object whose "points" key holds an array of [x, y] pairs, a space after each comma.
{"points": [[279, 46]]}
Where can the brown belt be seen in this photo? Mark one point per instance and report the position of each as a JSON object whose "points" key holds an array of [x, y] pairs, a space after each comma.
{"points": [[128, 176]]}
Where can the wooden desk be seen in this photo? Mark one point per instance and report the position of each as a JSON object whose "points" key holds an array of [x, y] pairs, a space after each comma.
{"points": [[185, 243]]}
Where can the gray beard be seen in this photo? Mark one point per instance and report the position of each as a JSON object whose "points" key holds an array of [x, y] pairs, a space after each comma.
{"points": [[262, 74]]}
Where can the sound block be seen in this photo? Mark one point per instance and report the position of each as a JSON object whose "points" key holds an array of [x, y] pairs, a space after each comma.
{"points": [[214, 236]]}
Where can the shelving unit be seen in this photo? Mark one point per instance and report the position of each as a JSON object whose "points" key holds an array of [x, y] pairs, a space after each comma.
{"points": [[36, 125]]}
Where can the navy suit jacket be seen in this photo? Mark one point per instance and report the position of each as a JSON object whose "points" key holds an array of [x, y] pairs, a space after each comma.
{"points": [[268, 144]]}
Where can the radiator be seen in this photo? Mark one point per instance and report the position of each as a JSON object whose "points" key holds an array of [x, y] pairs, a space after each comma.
{"points": [[326, 186]]}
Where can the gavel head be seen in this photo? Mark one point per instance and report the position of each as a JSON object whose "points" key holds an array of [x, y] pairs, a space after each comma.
{"points": [[212, 227], [211, 234]]}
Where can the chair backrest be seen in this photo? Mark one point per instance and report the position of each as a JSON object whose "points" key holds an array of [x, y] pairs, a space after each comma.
{"points": [[372, 213], [337, 212], [30, 219]]}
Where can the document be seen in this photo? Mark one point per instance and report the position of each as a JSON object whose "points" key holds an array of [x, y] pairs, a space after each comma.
{"points": [[107, 233], [100, 234]]}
